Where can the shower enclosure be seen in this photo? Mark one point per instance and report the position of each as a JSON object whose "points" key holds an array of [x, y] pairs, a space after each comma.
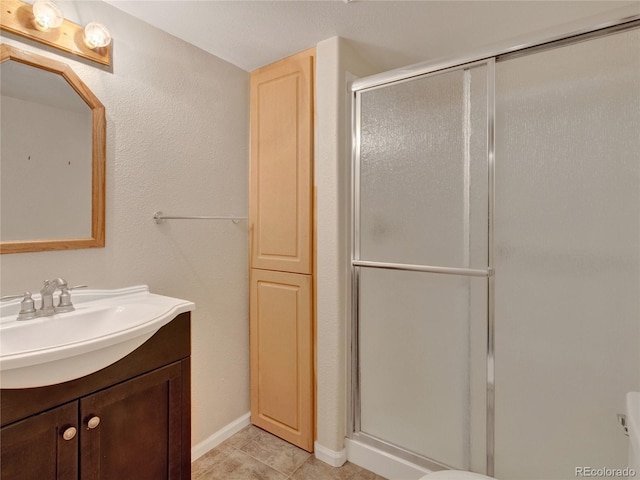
{"points": [[496, 258]]}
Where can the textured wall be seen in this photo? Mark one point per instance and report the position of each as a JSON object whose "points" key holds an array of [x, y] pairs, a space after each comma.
{"points": [[177, 141], [336, 64]]}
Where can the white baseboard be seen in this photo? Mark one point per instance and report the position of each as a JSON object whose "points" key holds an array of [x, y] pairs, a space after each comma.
{"points": [[333, 458], [382, 463], [220, 436]]}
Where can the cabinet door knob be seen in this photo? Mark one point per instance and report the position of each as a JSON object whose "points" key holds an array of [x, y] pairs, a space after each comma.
{"points": [[69, 433], [93, 422]]}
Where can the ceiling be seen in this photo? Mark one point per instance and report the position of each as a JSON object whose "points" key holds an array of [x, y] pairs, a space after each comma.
{"points": [[388, 34]]}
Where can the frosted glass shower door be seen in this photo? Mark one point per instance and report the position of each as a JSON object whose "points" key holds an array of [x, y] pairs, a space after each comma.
{"points": [[567, 256], [421, 202]]}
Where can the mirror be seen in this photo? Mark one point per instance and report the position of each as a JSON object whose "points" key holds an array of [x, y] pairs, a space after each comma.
{"points": [[52, 158]]}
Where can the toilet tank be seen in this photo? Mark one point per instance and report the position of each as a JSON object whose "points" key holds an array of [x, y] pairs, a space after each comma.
{"points": [[633, 426]]}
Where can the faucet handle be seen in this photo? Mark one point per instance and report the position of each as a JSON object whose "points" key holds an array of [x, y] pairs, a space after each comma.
{"points": [[27, 306], [65, 305]]}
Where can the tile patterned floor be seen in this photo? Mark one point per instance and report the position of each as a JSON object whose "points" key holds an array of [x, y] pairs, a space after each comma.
{"points": [[253, 454]]}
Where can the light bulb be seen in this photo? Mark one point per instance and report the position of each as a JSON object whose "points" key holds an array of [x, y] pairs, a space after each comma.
{"points": [[96, 35], [46, 15]]}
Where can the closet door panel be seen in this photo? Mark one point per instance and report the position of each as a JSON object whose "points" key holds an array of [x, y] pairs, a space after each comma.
{"points": [[281, 165], [282, 355]]}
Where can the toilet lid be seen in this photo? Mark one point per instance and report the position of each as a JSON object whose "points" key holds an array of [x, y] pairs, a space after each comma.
{"points": [[454, 475]]}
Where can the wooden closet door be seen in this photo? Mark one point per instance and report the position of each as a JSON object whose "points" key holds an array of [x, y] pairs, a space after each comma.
{"points": [[282, 387], [282, 165]]}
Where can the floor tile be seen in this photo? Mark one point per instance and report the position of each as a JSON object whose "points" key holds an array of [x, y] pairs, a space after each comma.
{"points": [[314, 469], [254, 454], [243, 437], [275, 452], [205, 463], [236, 465]]}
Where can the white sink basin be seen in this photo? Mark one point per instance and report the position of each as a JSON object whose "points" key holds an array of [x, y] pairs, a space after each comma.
{"points": [[106, 326]]}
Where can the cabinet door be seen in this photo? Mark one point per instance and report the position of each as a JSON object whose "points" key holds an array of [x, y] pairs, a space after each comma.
{"points": [[133, 430], [36, 448], [281, 165], [282, 355]]}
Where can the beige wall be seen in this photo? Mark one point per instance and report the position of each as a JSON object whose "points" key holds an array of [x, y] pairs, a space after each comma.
{"points": [[336, 64], [177, 141]]}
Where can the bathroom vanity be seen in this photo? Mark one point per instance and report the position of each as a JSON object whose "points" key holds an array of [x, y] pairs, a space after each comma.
{"points": [[130, 420]]}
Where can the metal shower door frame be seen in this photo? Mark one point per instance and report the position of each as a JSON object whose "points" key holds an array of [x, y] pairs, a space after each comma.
{"points": [[357, 264], [395, 77]]}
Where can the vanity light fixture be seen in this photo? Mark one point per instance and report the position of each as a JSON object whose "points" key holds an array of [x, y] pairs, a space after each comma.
{"points": [[46, 15], [43, 22], [96, 35]]}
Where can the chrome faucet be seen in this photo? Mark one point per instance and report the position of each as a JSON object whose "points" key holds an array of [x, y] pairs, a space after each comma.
{"points": [[46, 307]]}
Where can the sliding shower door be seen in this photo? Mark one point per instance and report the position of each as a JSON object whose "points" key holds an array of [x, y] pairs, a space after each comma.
{"points": [[567, 256], [420, 266], [496, 260]]}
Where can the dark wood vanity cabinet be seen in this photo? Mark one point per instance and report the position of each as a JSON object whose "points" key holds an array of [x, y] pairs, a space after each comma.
{"points": [[34, 448], [131, 419]]}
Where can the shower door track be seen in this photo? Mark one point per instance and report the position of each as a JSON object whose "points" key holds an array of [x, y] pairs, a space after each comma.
{"points": [[426, 68], [406, 74]]}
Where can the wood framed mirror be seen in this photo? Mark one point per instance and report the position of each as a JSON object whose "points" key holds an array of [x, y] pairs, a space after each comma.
{"points": [[53, 157]]}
